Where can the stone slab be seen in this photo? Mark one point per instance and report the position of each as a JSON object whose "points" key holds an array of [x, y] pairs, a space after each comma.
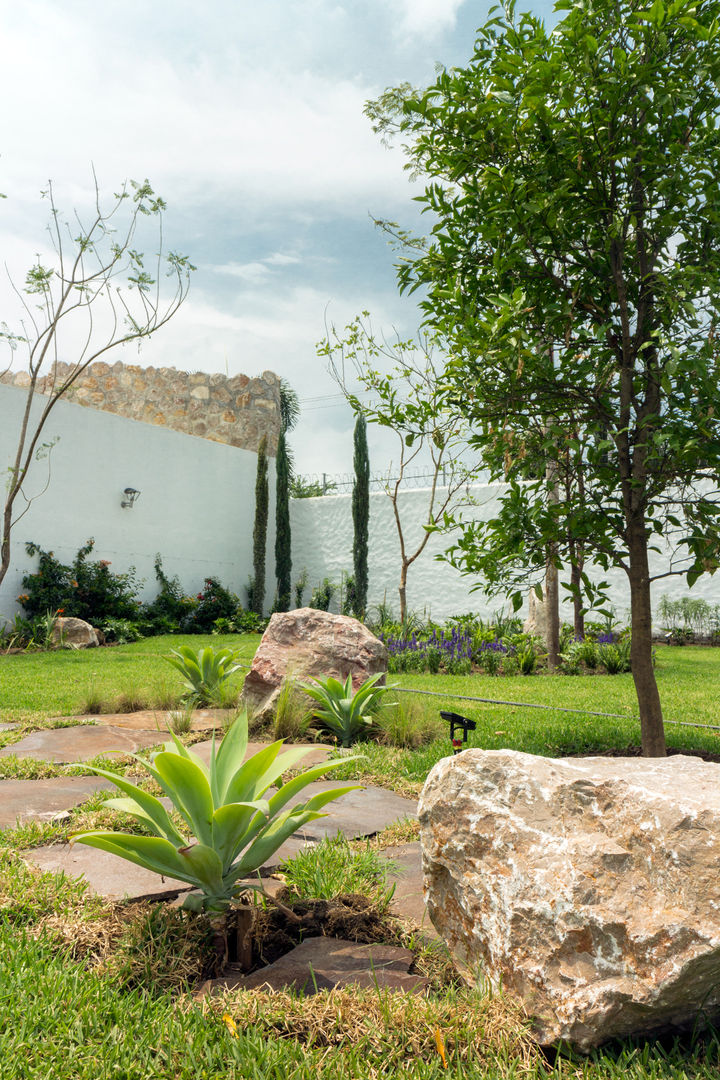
{"points": [[322, 963], [7, 727], [106, 874], [43, 799], [359, 813], [158, 719], [73, 744], [408, 900]]}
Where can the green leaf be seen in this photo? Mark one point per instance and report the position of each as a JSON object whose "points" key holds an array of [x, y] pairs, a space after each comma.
{"points": [[189, 790]]}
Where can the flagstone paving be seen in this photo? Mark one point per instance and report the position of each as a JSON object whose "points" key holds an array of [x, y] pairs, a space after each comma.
{"points": [[68, 745], [43, 799]]}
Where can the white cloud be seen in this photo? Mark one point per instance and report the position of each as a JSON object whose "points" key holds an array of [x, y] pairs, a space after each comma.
{"points": [[427, 17]]}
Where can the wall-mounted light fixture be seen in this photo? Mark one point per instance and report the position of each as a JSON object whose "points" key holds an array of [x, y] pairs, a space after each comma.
{"points": [[130, 497]]}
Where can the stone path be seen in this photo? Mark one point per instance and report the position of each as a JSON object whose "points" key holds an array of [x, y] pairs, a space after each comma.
{"points": [[357, 814], [42, 800], [65, 746]]}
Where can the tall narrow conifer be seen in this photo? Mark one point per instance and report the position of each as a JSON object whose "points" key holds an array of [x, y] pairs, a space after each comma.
{"points": [[283, 557], [260, 529], [360, 515]]}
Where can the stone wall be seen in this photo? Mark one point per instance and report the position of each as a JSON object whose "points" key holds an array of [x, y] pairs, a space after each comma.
{"points": [[236, 411]]}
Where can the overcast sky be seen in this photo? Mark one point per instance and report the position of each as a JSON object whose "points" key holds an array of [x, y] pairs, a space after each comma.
{"points": [[248, 118]]}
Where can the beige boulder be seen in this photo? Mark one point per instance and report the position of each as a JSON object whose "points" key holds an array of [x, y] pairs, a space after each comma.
{"points": [[306, 643], [588, 887], [73, 633]]}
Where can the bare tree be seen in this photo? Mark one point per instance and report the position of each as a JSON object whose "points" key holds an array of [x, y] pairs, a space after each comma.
{"points": [[405, 399], [94, 295]]}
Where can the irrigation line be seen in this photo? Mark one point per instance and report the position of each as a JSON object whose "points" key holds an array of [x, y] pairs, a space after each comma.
{"points": [[552, 708], [535, 705]]}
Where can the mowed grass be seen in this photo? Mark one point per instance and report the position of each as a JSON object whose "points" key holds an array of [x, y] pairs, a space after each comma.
{"points": [[37, 685], [90, 991]]}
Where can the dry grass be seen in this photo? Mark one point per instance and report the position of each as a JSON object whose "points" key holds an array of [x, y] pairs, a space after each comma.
{"points": [[154, 946], [475, 1029]]}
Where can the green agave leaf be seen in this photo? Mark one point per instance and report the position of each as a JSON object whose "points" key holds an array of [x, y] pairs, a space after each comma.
{"points": [[230, 826], [269, 840], [205, 864], [283, 795], [246, 781], [229, 758], [150, 806], [150, 852], [316, 802], [189, 790], [178, 746]]}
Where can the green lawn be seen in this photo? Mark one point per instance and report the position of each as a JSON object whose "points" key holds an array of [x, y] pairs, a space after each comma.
{"points": [[69, 1015]]}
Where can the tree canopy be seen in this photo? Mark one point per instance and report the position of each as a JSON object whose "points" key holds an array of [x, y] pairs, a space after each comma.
{"points": [[573, 267]]}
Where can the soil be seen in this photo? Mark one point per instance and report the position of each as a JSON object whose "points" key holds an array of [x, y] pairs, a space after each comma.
{"points": [[273, 932]]}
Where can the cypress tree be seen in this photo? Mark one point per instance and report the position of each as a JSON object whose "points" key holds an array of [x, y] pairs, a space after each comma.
{"points": [[283, 558], [260, 528], [360, 515]]}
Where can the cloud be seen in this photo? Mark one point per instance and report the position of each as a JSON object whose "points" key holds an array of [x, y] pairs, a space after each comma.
{"points": [[427, 18]]}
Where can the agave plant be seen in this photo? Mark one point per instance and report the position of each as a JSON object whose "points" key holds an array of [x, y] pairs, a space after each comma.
{"points": [[204, 671], [233, 825], [343, 713]]}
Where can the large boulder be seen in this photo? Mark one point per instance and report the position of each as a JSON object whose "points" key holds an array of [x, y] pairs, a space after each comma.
{"points": [[588, 887], [305, 643], [74, 634]]}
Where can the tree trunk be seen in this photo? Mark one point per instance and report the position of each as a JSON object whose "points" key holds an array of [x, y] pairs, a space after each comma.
{"points": [[402, 590], [575, 581], [552, 610], [552, 588], [651, 718]]}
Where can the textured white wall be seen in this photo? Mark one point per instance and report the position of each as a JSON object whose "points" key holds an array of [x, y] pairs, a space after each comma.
{"points": [[322, 541], [196, 508]]}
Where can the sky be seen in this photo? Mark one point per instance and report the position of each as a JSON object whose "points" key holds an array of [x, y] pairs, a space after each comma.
{"points": [[247, 117]]}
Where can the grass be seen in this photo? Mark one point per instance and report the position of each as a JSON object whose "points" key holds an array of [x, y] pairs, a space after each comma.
{"points": [[94, 990], [333, 868], [72, 682]]}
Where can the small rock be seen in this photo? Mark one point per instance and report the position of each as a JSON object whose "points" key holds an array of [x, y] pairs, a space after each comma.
{"points": [[73, 633]]}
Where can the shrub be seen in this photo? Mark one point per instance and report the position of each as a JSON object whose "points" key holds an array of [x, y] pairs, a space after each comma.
{"points": [[165, 613], [87, 589], [322, 595], [213, 602]]}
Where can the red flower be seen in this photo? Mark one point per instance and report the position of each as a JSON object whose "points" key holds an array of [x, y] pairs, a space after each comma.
{"points": [[60, 611]]}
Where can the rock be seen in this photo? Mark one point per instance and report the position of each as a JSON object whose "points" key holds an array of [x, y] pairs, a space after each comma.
{"points": [[321, 963], [587, 886], [537, 620], [308, 643], [73, 633]]}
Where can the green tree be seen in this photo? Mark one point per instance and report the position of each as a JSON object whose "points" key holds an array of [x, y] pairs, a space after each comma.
{"points": [[360, 516], [289, 416], [95, 294], [262, 495], [574, 268], [409, 399], [283, 539]]}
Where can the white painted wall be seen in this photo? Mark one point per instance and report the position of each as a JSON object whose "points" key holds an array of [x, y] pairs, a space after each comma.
{"points": [[322, 535], [196, 508]]}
